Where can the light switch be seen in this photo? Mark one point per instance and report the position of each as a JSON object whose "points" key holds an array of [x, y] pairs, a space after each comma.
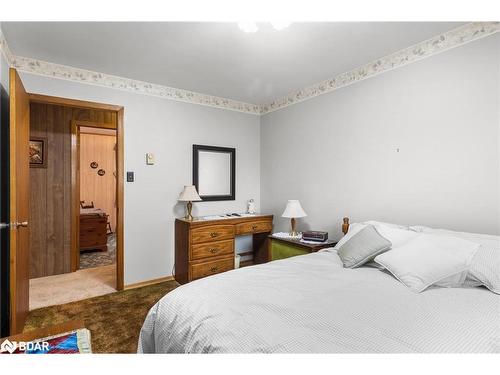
{"points": [[130, 176], [150, 159]]}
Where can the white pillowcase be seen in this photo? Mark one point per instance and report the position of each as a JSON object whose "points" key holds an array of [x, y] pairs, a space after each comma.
{"points": [[398, 237], [391, 232], [485, 269], [428, 259], [397, 226], [363, 247], [353, 229], [485, 266]]}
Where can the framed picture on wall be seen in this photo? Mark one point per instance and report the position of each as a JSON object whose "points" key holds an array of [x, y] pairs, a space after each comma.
{"points": [[38, 152]]}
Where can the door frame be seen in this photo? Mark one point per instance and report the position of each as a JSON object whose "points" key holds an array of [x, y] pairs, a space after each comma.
{"points": [[75, 176]]}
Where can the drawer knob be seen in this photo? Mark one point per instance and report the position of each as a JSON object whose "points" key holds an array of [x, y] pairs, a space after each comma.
{"points": [[213, 251], [214, 269], [213, 234], [254, 227]]}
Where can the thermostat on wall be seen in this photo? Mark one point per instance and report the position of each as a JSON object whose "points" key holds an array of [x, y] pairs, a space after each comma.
{"points": [[150, 159]]}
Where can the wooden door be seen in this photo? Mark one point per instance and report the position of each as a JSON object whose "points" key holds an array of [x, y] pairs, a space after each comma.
{"points": [[19, 203]]}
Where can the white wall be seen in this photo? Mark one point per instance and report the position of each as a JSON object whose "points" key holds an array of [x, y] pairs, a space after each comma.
{"points": [[442, 113], [4, 72], [337, 153], [168, 129]]}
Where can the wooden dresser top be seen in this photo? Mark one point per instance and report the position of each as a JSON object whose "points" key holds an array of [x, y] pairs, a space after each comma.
{"points": [[196, 222]]}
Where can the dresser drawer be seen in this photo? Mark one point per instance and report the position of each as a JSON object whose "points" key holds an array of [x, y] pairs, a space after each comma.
{"points": [[101, 236], [254, 227], [200, 270], [93, 221], [97, 230], [212, 233], [212, 249], [92, 225], [87, 240]]}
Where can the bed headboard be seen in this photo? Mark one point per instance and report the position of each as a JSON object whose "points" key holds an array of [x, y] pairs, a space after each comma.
{"points": [[345, 225]]}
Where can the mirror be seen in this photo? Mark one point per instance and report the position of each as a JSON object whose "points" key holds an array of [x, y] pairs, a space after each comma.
{"points": [[214, 172]]}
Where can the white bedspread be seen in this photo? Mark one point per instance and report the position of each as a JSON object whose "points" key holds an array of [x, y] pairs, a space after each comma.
{"points": [[311, 304]]}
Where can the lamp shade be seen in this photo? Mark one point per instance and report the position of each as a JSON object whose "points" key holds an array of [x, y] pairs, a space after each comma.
{"points": [[293, 209], [189, 194]]}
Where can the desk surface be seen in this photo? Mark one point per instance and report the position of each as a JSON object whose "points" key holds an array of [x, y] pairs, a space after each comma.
{"points": [[92, 212], [229, 220], [311, 247]]}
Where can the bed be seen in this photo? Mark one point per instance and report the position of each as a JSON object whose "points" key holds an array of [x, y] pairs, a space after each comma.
{"points": [[312, 304]]}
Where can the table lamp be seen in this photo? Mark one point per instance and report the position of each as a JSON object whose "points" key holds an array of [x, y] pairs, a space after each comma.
{"points": [[189, 195], [293, 210]]}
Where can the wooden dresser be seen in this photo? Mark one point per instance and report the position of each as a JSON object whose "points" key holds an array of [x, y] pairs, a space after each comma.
{"points": [[206, 247], [93, 228]]}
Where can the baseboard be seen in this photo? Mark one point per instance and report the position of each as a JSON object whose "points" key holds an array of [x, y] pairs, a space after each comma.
{"points": [[149, 282]]}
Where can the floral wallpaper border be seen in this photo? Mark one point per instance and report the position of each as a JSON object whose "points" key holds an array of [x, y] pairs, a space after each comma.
{"points": [[29, 65], [85, 76], [440, 43]]}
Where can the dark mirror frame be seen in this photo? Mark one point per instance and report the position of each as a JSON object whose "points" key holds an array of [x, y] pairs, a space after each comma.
{"points": [[227, 150]]}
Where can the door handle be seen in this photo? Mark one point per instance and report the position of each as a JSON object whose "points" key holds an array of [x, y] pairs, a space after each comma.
{"points": [[21, 224], [4, 225]]}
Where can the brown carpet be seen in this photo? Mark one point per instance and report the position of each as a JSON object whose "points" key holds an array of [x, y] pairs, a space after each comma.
{"points": [[114, 320]]}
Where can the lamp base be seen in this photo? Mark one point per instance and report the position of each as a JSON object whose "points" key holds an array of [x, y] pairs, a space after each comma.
{"points": [[293, 232], [189, 208]]}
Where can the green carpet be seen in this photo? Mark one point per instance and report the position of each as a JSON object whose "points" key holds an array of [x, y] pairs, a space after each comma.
{"points": [[114, 320]]}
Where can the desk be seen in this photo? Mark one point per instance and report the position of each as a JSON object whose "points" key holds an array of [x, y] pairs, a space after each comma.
{"points": [[281, 248], [206, 247]]}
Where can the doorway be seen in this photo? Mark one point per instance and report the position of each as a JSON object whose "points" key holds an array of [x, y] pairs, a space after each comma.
{"points": [[96, 185], [40, 155], [92, 224]]}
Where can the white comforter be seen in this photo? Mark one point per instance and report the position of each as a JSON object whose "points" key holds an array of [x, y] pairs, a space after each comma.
{"points": [[311, 304]]}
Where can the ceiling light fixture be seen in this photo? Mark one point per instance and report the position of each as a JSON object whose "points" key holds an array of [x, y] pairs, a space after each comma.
{"points": [[248, 27], [280, 25]]}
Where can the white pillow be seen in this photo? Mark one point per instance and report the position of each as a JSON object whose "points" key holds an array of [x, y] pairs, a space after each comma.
{"points": [[485, 266], [392, 232], [428, 259], [397, 226], [363, 247], [475, 237], [397, 236], [353, 229], [419, 228]]}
